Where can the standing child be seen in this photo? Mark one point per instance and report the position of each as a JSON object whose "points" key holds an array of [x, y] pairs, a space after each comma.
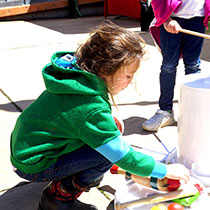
{"points": [[171, 15], [68, 135]]}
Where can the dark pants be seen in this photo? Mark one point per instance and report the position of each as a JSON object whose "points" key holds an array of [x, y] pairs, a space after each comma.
{"points": [[85, 163], [147, 15], [171, 46]]}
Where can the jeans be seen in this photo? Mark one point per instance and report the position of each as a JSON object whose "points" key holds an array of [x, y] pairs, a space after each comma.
{"points": [[171, 45], [85, 163]]}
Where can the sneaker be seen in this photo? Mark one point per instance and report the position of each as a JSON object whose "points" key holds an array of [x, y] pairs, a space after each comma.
{"points": [[159, 120], [53, 199]]}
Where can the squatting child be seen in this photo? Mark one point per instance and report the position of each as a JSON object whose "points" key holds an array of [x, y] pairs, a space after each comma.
{"points": [[68, 136]]}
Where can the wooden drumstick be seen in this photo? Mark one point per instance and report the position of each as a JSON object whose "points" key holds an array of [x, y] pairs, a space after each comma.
{"points": [[164, 184], [194, 33], [158, 198]]}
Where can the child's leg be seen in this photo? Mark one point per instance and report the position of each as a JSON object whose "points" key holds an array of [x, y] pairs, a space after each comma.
{"points": [[192, 45], [85, 163], [72, 174], [170, 49]]}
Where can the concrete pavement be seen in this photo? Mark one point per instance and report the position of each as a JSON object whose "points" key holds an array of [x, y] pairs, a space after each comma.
{"points": [[25, 47]]}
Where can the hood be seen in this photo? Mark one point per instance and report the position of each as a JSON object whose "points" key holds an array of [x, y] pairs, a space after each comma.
{"points": [[64, 76]]}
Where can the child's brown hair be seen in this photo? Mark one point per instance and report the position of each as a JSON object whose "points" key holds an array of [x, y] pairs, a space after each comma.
{"points": [[108, 48]]}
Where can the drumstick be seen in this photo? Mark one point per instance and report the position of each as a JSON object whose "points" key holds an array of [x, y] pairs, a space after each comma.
{"points": [[164, 184], [158, 198], [194, 33]]}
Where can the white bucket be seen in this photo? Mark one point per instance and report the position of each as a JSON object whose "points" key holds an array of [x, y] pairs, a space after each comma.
{"points": [[194, 128]]}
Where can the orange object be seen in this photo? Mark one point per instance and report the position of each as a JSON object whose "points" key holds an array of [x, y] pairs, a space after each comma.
{"points": [[175, 206]]}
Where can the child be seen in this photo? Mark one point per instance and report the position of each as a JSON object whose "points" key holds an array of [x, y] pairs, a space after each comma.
{"points": [[171, 15], [68, 135]]}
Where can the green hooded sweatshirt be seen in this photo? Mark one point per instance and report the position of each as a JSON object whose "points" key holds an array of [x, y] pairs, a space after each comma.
{"points": [[74, 110]]}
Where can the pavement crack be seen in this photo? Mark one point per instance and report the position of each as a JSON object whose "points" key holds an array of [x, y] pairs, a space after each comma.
{"points": [[104, 193]]}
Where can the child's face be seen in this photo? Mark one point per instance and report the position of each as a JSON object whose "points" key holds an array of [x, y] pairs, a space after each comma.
{"points": [[122, 78]]}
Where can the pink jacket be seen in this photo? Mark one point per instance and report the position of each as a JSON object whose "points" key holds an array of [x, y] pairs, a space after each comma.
{"points": [[162, 11]]}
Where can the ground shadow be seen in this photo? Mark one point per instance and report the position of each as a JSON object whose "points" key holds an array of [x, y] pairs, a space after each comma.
{"points": [[73, 26], [147, 38], [144, 103], [24, 196], [141, 103], [17, 106], [111, 206], [133, 125], [84, 24]]}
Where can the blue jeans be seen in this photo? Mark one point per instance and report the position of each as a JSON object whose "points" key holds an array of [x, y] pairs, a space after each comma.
{"points": [[171, 45], [86, 164]]}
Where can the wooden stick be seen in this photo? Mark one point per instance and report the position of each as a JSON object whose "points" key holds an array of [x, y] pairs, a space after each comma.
{"points": [[158, 198], [194, 33]]}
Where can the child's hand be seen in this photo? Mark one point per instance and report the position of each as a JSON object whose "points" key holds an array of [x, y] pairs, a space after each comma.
{"points": [[178, 171], [172, 26]]}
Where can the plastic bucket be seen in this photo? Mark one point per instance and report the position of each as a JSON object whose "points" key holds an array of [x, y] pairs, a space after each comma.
{"points": [[194, 128]]}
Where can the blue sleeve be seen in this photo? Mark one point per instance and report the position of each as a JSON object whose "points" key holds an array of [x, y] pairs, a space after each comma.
{"points": [[159, 170], [115, 149]]}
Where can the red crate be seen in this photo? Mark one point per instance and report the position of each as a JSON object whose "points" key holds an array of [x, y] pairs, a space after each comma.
{"points": [[130, 8]]}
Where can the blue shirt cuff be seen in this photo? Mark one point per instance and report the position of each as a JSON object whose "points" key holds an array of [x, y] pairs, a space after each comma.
{"points": [[159, 170]]}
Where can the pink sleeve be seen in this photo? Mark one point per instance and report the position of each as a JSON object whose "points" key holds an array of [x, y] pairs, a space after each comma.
{"points": [[207, 12], [163, 9]]}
